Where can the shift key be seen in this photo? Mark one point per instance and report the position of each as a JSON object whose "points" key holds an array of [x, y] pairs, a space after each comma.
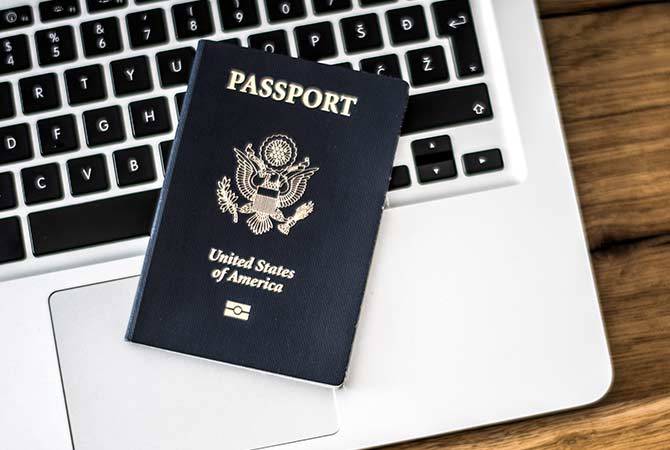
{"points": [[447, 107], [92, 223]]}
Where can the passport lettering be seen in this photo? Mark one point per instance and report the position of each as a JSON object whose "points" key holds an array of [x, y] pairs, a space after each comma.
{"points": [[236, 269], [285, 91]]}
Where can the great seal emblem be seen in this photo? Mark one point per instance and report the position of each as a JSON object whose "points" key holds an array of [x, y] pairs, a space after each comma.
{"points": [[270, 180]]}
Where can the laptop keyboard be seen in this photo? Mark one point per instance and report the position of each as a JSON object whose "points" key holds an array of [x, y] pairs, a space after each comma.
{"points": [[90, 92]]}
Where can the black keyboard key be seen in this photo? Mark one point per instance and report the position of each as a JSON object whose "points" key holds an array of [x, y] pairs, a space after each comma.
{"points": [[282, 10], [236, 14], [41, 184], [101, 37], [7, 191], [447, 107], [134, 165], [131, 75], [58, 9], [55, 46], [179, 101], [316, 41], [18, 16], [346, 65], [174, 66], [15, 143], [399, 178], [92, 223], [427, 66], [104, 126], [434, 158], [104, 5], [39, 93], [271, 42], [329, 6], [388, 65], [407, 24], [6, 100], [374, 2], [150, 116], [85, 84], [165, 148], [58, 134], [192, 19], [361, 33], [11, 240], [146, 28], [454, 19], [484, 161], [88, 175], [14, 54]]}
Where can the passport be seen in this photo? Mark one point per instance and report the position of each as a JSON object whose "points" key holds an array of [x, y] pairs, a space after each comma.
{"points": [[268, 217]]}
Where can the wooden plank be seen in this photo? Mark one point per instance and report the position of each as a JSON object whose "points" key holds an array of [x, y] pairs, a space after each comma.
{"points": [[555, 7], [613, 81]]}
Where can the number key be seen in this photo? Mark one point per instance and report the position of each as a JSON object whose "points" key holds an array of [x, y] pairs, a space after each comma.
{"points": [[101, 36], [55, 45], [104, 5], [192, 19], [238, 14], [14, 54], [328, 6], [146, 28], [281, 10]]}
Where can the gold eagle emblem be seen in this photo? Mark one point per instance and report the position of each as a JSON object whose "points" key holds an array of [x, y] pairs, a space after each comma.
{"points": [[270, 180]]}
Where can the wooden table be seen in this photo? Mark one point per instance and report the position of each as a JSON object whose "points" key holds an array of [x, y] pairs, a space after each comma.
{"points": [[611, 63]]}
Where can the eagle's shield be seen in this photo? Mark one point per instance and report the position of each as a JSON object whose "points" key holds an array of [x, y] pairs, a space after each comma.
{"points": [[265, 201]]}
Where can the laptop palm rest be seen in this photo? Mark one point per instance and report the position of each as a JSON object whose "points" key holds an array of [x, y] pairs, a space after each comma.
{"points": [[123, 395]]}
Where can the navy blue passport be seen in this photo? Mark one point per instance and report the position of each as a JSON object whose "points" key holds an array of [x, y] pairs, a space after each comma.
{"points": [[268, 217]]}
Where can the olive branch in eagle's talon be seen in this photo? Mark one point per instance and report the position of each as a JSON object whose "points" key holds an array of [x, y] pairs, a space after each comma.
{"points": [[227, 198], [302, 212]]}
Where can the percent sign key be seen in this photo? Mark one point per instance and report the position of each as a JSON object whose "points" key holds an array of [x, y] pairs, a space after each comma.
{"points": [[55, 46]]}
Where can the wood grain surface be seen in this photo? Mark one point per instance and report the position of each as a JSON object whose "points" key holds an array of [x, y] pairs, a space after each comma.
{"points": [[611, 64]]}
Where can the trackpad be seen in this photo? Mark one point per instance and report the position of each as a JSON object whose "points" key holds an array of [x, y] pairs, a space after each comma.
{"points": [[123, 395]]}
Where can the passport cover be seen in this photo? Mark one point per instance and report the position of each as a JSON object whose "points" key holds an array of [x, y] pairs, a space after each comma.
{"points": [[268, 217]]}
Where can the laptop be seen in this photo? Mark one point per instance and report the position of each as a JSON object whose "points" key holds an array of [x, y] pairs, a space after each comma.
{"points": [[481, 305]]}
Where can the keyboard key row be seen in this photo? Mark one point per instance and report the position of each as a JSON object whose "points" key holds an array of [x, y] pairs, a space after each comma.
{"points": [[102, 126], [78, 226], [87, 175], [92, 223], [87, 84]]}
